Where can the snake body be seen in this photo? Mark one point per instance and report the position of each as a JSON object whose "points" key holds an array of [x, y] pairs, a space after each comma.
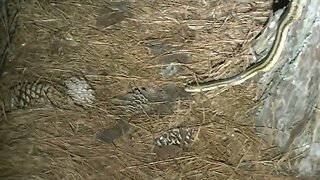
{"points": [[291, 14]]}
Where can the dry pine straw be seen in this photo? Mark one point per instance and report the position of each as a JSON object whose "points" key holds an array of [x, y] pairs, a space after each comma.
{"points": [[62, 38]]}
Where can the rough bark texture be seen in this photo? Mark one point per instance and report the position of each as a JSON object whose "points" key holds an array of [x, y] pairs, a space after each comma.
{"points": [[288, 116], [8, 25]]}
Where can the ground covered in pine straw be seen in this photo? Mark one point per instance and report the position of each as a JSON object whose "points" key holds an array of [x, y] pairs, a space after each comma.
{"points": [[117, 47]]}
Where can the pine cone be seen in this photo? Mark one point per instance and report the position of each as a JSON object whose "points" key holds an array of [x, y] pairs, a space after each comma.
{"points": [[182, 137], [31, 93]]}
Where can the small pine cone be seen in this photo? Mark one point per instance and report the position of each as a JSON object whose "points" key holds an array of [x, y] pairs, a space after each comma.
{"points": [[182, 137], [30, 93], [80, 90], [135, 102], [141, 100], [23, 94]]}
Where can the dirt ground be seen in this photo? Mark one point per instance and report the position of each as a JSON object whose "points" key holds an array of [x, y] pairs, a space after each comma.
{"points": [[117, 46]]}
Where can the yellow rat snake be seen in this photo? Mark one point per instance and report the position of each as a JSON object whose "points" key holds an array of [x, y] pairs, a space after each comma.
{"points": [[292, 13]]}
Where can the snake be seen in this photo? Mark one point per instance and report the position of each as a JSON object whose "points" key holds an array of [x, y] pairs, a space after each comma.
{"points": [[291, 14]]}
